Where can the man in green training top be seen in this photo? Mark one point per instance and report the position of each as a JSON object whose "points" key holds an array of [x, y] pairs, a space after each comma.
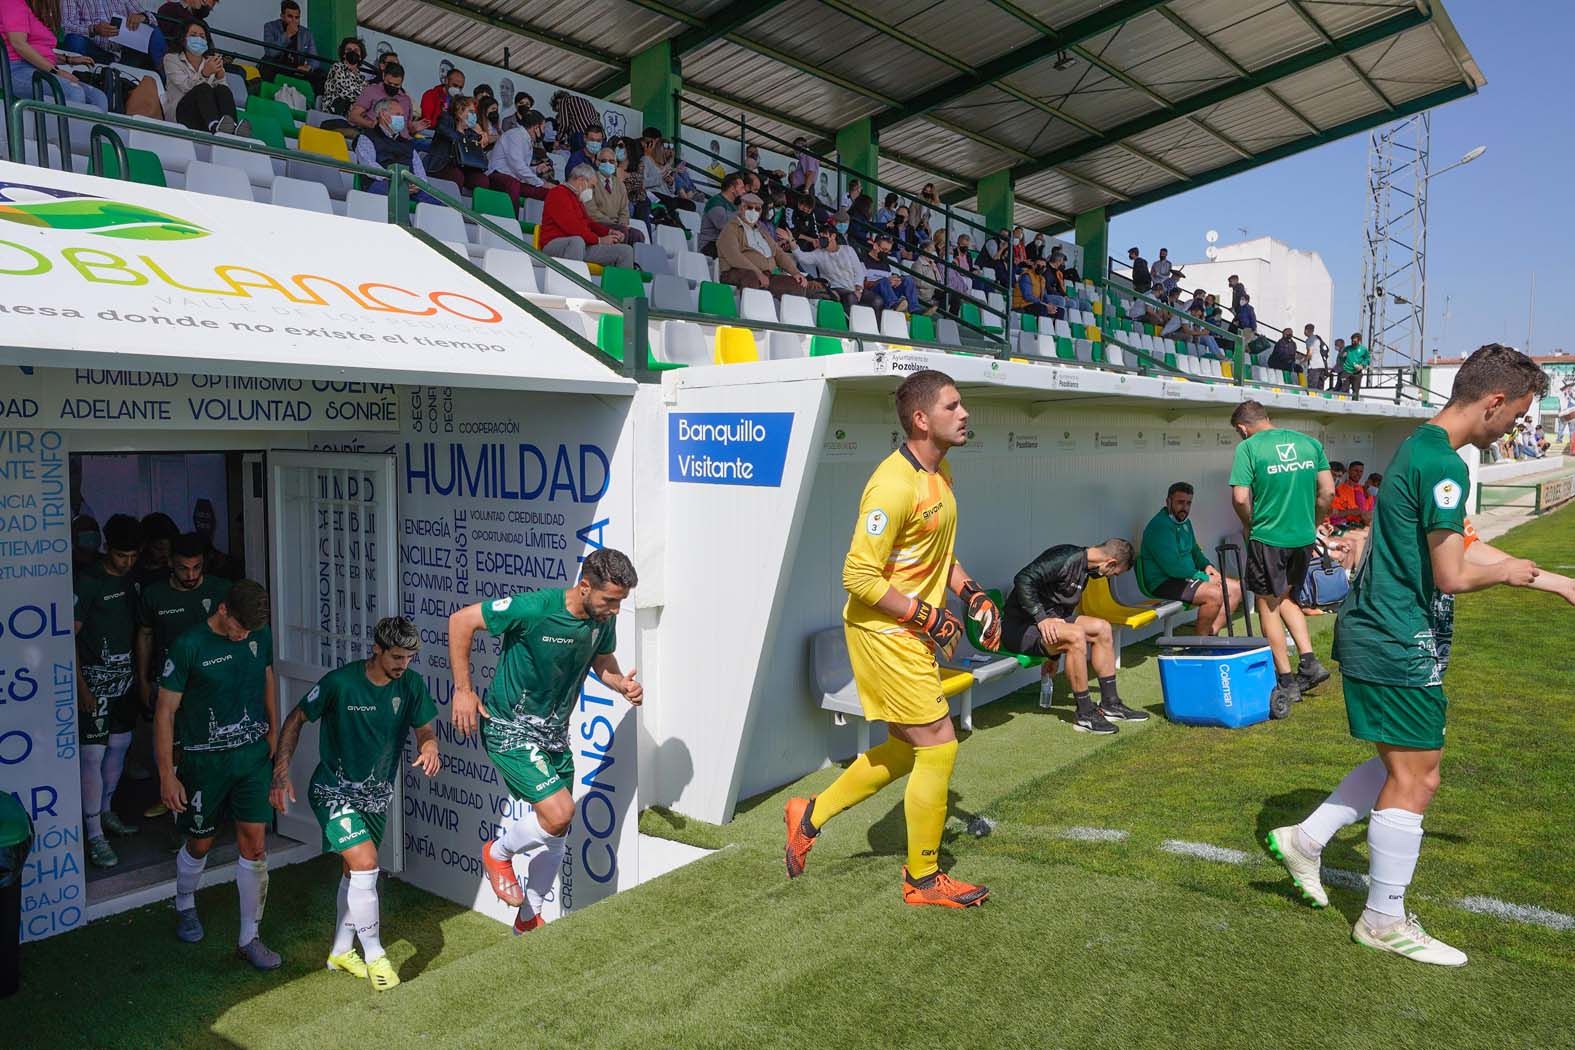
{"points": [[105, 619], [181, 598], [1393, 642], [367, 708], [218, 685], [1172, 565], [1281, 488], [1353, 364], [551, 638]]}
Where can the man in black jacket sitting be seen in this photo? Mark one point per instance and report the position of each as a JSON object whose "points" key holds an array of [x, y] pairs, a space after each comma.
{"points": [[1041, 618]]}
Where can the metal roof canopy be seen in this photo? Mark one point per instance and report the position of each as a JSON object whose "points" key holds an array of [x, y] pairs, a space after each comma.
{"points": [[1090, 103]]}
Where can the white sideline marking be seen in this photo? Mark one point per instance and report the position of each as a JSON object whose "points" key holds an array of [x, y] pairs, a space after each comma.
{"points": [[1529, 914], [1204, 851], [1349, 880], [1086, 834]]}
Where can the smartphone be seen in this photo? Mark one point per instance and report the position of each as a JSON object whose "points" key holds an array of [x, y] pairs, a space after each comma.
{"points": [[116, 23]]}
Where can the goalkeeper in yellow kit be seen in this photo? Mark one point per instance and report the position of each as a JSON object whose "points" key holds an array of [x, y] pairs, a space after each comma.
{"points": [[897, 572]]}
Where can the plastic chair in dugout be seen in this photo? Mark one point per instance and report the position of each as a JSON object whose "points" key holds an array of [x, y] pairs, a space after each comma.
{"points": [[1101, 603], [971, 629]]}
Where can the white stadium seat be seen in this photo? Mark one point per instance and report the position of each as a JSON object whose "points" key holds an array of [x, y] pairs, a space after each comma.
{"points": [[359, 204], [202, 177], [441, 221], [301, 195], [511, 267]]}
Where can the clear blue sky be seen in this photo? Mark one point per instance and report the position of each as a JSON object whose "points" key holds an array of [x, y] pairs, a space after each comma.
{"points": [[1492, 223]]}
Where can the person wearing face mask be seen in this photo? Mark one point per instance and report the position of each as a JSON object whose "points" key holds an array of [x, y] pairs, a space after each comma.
{"points": [[1040, 618], [523, 104], [569, 232], [345, 80], [747, 254], [436, 99], [718, 212], [1037, 249], [194, 87], [391, 86], [805, 225], [609, 199], [886, 287], [513, 167], [584, 147], [838, 264], [386, 144], [458, 152], [1173, 567]]}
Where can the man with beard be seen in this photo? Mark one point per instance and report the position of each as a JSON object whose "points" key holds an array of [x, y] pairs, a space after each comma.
{"points": [[1173, 566]]}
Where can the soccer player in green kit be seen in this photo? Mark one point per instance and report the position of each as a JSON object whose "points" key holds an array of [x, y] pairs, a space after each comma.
{"points": [[105, 618], [218, 684], [1393, 643], [551, 638], [181, 598], [367, 708]]}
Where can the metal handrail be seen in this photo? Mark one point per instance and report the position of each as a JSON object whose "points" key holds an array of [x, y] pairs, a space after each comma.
{"points": [[861, 338]]}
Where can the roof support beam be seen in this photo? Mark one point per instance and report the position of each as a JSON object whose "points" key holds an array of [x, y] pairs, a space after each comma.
{"points": [[701, 32], [1268, 75], [1202, 40], [541, 36], [1313, 24]]}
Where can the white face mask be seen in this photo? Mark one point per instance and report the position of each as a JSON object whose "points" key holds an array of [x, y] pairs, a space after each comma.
{"points": [[585, 195], [752, 215]]}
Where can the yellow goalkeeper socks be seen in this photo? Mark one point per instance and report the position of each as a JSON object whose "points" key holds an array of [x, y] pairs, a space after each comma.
{"points": [[925, 804], [870, 772]]}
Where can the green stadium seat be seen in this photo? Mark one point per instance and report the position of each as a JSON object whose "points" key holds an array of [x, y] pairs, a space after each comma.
{"points": [[617, 281], [829, 314], [300, 85], [609, 338], [278, 112], [972, 630], [496, 203], [268, 131], [1065, 349], [716, 300], [144, 164], [1028, 322], [921, 328], [824, 345]]}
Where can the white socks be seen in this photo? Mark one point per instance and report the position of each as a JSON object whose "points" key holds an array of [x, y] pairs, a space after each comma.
{"points": [[362, 903], [92, 770], [344, 929], [1394, 840], [188, 874], [541, 871], [114, 765], [251, 882], [1351, 801], [522, 835]]}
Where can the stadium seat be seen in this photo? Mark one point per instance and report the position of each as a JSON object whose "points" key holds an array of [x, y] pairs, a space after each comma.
{"points": [[268, 132], [609, 339], [694, 266], [829, 314], [513, 268], [532, 210], [620, 283], [684, 343], [671, 239], [1130, 590], [824, 346], [300, 194], [894, 324], [756, 304], [175, 155], [652, 259], [690, 221], [258, 168], [716, 300], [839, 694], [237, 85], [795, 310], [673, 293], [1115, 356], [557, 284], [496, 204], [441, 221], [946, 332], [862, 319], [144, 165], [359, 204], [203, 177], [1100, 603], [735, 346], [921, 328], [278, 112]]}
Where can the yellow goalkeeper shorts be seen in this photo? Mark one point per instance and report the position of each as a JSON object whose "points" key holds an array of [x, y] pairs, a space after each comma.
{"points": [[897, 676]]}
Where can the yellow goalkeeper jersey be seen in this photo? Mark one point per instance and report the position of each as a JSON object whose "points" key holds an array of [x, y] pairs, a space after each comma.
{"points": [[904, 538]]}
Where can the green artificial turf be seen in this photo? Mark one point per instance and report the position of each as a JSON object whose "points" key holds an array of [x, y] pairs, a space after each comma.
{"points": [[1084, 944]]}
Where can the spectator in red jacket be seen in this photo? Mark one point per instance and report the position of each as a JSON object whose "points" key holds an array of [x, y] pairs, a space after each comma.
{"points": [[435, 102], [569, 232]]}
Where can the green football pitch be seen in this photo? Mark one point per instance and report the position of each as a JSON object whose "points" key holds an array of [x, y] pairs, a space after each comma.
{"points": [[1133, 905]]}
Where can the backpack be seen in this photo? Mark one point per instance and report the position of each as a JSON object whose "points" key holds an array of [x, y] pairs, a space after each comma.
{"points": [[291, 96], [1326, 584]]}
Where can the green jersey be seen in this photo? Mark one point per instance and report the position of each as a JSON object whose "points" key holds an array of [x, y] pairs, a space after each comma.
{"points": [[1356, 358], [221, 685], [1281, 467], [1395, 628], [364, 728], [15, 825], [168, 611], [546, 653], [106, 606], [1170, 552]]}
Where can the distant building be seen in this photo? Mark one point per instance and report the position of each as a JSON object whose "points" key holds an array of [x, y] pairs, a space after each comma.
{"points": [[1439, 376], [1289, 287]]}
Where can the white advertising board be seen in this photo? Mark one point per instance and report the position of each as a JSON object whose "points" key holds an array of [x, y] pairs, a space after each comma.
{"points": [[38, 705], [96, 271], [501, 493]]}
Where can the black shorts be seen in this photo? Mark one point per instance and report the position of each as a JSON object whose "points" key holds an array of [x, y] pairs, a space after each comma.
{"points": [[1019, 634], [1178, 590], [1276, 572]]}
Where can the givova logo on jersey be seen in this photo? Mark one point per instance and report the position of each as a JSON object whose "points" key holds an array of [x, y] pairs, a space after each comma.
{"points": [[1290, 460]]}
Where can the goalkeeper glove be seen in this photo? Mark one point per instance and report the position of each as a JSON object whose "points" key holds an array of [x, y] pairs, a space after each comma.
{"points": [[939, 626], [982, 611]]}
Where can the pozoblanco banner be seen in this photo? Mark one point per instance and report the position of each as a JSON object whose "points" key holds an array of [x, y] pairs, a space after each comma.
{"points": [[38, 678], [96, 271]]}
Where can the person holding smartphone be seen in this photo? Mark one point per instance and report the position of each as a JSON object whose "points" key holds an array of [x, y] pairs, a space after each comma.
{"points": [[194, 88], [28, 28]]}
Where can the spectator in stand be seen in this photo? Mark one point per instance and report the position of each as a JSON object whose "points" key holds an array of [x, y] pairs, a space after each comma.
{"points": [[459, 151], [487, 121], [927, 276], [927, 209], [997, 257], [514, 166], [1019, 247], [584, 148], [290, 48], [1245, 317], [1212, 313], [29, 28], [861, 223], [719, 211], [904, 238], [386, 144], [571, 114], [610, 199], [839, 266], [568, 231], [855, 190], [1315, 355], [715, 169], [1037, 249], [1172, 565], [805, 170], [659, 174], [1028, 291], [804, 224], [1238, 292], [1160, 271], [629, 154], [173, 15], [747, 254], [1284, 354], [886, 287], [1356, 361], [345, 80], [86, 29], [389, 85], [436, 99], [888, 211], [962, 273], [1142, 277], [194, 87], [1338, 371], [523, 104]]}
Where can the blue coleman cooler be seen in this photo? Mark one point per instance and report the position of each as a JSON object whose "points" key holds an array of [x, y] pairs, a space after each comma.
{"points": [[1217, 687]]}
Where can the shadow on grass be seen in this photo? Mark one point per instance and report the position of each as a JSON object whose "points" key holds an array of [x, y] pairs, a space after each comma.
{"points": [[888, 836]]}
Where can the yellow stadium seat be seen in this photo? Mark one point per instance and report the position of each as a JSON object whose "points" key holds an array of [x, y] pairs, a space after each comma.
{"points": [[1227, 370], [735, 346], [1093, 334], [958, 683], [1098, 307], [323, 143], [535, 242], [248, 71], [1101, 603]]}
